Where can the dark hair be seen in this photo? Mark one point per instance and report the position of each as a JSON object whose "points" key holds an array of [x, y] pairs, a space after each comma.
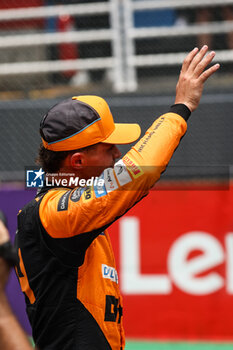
{"points": [[51, 161]]}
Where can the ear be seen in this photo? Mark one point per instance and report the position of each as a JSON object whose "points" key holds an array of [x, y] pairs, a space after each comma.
{"points": [[77, 160]]}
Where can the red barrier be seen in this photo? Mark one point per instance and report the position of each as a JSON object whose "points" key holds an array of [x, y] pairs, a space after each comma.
{"points": [[21, 24], [174, 253], [67, 51]]}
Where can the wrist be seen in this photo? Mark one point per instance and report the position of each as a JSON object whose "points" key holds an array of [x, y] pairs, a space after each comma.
{"points": [[181, 109]]}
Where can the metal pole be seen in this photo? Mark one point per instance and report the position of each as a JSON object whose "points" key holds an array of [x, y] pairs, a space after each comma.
{"points": [[118, 71], [131, 74]]}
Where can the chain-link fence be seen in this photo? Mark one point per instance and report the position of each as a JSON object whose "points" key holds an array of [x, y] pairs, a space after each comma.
{"points": [[54, 49], [205, 151]]}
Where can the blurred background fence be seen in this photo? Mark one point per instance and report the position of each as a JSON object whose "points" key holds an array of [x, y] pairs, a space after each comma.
{"points": [[77, 42]]}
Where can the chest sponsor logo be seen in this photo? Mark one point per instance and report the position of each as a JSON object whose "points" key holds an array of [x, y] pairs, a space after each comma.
{"points": [[76, 195], [63, 201], [99, 188], [109, 180], [110, 273], [122, 174], [135, 170]]}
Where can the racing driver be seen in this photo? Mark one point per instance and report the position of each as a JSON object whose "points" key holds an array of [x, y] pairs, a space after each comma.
{"points": [[66, 265]]}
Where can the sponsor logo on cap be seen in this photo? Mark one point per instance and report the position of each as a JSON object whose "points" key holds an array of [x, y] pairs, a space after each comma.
{"points": [[109, 180], [135, 170], [122, 173]]}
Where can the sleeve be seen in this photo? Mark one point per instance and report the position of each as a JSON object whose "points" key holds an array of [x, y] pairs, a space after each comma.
{"points": [[70, 213]]}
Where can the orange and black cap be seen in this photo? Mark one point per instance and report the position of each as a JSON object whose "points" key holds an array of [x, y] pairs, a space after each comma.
{"points": [[83, 121]]}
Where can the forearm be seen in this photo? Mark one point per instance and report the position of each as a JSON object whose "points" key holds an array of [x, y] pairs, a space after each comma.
{"points": [[156, 147], [12, 336]]}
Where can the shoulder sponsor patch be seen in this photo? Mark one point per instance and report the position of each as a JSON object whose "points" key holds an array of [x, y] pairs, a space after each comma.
{"points": [[99, 187], [63, 201], [109, 180], [122, 173], [76, 194], [134, 169], [110, 273], [87, 193]]}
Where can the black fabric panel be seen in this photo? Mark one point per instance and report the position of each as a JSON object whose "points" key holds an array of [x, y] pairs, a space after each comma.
{"points": [[89, 335], [71, 251], [77, 329]]}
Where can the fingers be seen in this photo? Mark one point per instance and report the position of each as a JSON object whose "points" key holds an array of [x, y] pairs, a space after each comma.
{"points": [[196, 62], [203, 64], [193, 75], [198, 58], [189, 59], [207, 73]]}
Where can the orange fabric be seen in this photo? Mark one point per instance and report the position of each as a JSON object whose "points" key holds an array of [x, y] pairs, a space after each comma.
{"points": [[114, 133], [24, 280], [113, 331], [101, 107], [123, 133]]}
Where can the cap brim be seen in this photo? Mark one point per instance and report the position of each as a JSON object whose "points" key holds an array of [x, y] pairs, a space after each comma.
{"points": [[124, 134]]}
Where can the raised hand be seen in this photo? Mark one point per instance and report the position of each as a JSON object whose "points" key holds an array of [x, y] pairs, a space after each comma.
{"points": [[193, 75]]}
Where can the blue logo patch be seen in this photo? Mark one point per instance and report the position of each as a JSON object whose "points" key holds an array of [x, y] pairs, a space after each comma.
{"points": [[110, 273], [35, 178], [100, 189]]}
